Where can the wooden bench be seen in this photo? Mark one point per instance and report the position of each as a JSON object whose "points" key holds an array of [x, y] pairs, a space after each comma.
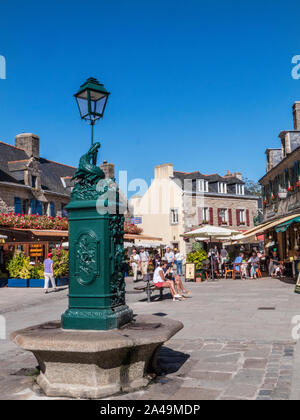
{"points": [[149, 287]]}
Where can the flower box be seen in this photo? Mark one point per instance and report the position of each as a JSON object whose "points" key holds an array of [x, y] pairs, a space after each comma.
{"points": [[17, 282], [3, 282], [62, 281], [36, 283]]}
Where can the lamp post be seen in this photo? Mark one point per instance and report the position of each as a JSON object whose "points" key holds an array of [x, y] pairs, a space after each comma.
{"points": [[91, 100], [96, 228]]}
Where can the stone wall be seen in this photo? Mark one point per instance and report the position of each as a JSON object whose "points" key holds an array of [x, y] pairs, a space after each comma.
{"points": [[8, 194], [228, 203], [7, 197]]}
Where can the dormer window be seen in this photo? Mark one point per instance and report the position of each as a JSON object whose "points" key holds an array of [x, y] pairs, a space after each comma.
{"points": [[240, 189], [222, 188], [33, 181], [202, 185]]}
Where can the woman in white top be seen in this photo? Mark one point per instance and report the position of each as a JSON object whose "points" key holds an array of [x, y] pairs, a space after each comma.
{"points": [[160, 281]]}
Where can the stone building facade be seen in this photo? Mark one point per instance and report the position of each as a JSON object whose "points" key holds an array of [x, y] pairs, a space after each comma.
{"points": [[177, 202], [281, 190], [29, 183], [281, 195]]}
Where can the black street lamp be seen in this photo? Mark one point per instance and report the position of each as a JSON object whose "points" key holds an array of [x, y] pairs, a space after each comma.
{"points": [[91, 100]]}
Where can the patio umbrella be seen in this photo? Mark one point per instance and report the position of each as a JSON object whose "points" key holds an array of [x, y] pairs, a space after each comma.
{"points": [[209, 232]]}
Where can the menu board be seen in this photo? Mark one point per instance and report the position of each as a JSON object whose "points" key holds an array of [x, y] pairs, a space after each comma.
{"points": [[190, 271]]}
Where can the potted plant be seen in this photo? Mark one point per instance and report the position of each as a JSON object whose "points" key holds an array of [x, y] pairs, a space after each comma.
{"points": [[36, 276], [19, 270], [61, 266], [196, 257]]}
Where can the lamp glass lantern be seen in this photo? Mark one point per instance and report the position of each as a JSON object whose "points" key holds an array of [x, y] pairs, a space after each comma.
{"points": [[91, 100]]}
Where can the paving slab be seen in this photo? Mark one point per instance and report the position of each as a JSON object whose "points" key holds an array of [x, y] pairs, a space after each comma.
{"points": [[228, 349]]}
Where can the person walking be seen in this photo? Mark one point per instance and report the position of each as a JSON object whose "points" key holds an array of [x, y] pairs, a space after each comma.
{"points": [[135, 263], [169, 256], [179, 260], [145, 259], [48, 273]]}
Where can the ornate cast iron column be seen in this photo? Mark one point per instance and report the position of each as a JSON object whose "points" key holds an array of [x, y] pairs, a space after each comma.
{"points": [[96, 253]]}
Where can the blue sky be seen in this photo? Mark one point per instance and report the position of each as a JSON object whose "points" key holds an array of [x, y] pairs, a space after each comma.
{"points": [[205, 85]]}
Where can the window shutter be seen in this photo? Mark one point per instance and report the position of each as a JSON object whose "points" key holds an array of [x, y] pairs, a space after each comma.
{"points": [[219, 218], [32, 206], [247, 217], [211, 216], [52, 209], [230, 217], [18, 206], [38, 208], [200, 216], [238, 221]]}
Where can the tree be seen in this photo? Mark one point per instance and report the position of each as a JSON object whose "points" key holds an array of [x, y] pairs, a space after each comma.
{"points": [[253, 187]]}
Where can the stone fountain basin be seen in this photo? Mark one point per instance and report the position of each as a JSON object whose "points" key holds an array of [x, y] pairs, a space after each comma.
{"points": [[96, 364]]}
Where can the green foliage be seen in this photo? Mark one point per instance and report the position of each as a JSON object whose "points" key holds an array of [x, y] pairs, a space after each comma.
{"points": [[60, 262], [37, 272], [253, 187], [19, 266], [197, 257], [197, 246]]}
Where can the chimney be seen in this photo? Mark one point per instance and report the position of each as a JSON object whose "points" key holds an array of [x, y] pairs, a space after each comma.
{"points": [[108, 169], [296, 115], [30, 143], [236, 174], [164, 171]]}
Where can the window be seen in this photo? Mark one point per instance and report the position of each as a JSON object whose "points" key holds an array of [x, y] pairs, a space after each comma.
{"points": [[240, 189], [36, 207], [25, 206], [45, 208], [242, 217], [64, 212], [33, 181], [174, 216], [222, 188], [223, 216], [202, 185], [205, 215]]}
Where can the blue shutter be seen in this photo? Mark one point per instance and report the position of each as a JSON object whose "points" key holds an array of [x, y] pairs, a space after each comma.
{"points": [[52, 209], [38, 208], [18, 205], [32, 206]]}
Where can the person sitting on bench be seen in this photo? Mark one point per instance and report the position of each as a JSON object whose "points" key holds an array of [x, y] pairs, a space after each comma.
{"points": [[169, 275], [159, 280]]}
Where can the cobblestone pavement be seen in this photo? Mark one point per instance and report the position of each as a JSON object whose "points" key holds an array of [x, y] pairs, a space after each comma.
{"points": [[229, 347], [222, 370]]}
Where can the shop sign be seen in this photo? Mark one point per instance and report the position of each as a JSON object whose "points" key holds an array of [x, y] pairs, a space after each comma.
{"points": [[36, 250]]}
